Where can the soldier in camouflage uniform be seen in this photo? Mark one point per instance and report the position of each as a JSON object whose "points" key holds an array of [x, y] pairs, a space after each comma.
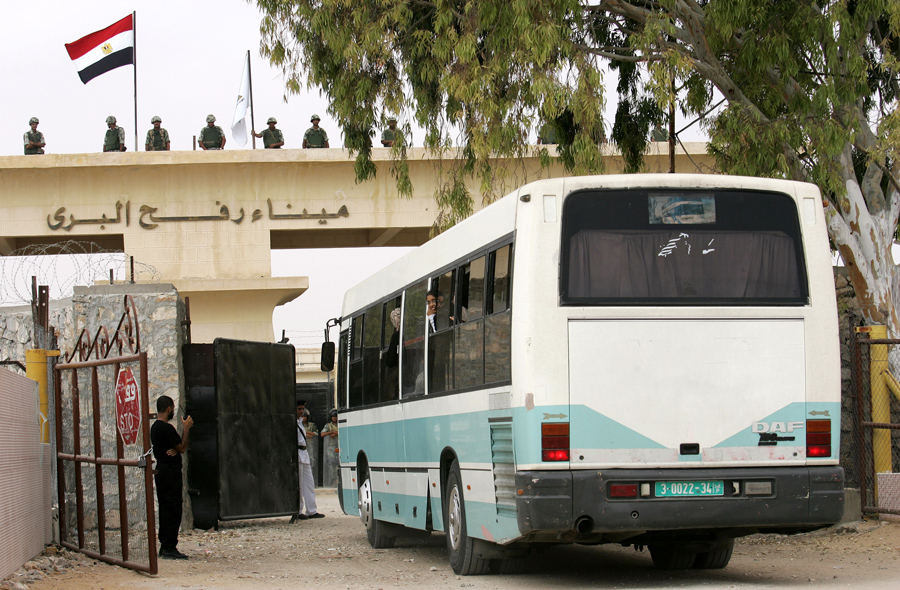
{"points": [[212, 137], [157, 138], [114, 141], [34, 139], [273, 139], [390, 134], [315, 137]]}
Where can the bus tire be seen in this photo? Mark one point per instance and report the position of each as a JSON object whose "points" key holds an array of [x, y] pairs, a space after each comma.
{"points": [[460, 548], [670, 557], [715, 559], [508, 566], [374, 528]]}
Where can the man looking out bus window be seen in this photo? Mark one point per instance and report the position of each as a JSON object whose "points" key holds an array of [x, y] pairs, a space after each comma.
{"points": [[431, 302]]}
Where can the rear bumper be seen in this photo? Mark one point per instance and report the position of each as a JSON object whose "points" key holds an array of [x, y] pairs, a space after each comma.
{"points": [[801, 498]]}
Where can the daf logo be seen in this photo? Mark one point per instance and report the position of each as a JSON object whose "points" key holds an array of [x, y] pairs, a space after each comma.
{"points": [[758, 427]]}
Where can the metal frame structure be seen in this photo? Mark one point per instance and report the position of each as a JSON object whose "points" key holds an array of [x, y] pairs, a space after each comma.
{"points": [[872, 404], [120, 348]]}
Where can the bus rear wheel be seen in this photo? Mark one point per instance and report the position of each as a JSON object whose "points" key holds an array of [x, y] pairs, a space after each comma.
{"points": [[715, 559], [460, 547], [670, 557], [374, 528]]}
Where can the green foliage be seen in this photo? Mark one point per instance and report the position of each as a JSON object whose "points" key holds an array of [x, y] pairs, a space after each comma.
{"points": [[807, 84]]}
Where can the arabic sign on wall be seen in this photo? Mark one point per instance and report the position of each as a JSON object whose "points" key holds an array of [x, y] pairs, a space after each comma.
{"points": [[148, 218]]}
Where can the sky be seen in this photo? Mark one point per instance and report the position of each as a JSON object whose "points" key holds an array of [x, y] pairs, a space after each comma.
{"points": [[190, 56]]}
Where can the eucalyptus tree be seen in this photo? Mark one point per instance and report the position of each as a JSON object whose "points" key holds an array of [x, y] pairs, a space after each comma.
{"points": [[808, 90]]}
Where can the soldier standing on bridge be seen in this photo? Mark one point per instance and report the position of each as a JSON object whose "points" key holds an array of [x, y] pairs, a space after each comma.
{"points": [[315, 136], [273, 139], [115, 137], [34, 139], [212, 137], [389, 135], [157, 138]]}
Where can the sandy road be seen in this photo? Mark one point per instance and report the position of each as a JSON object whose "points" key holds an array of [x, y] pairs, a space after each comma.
{"points": [[332, 553]]}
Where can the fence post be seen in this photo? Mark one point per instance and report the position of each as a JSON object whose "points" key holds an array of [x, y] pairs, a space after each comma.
{"points": [[36, 369]]}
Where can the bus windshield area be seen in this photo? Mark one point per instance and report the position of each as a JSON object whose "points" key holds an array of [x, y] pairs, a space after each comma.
{"points": [[681, 247]]}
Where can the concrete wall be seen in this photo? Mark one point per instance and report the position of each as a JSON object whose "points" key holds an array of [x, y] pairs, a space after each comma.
{"points": [[24, 474]]}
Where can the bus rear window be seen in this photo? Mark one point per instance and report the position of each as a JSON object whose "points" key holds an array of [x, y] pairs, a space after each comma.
{"points": [[682, 247]]}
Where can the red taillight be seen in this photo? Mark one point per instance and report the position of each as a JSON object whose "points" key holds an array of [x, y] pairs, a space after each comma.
{"points": [[818, 438], [555, 441], [623, 490]]}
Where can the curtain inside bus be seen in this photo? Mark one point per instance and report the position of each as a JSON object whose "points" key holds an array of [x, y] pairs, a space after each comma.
{"points": [[682, 264]]}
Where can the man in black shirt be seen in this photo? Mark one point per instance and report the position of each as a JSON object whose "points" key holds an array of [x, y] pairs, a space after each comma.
{"points": [[167, 448]]}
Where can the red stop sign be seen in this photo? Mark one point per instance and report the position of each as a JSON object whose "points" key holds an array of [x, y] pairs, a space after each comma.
{"points": [[128, 408]]}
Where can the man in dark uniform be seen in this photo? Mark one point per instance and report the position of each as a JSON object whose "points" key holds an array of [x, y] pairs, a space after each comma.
{"points": [[34, 139], [315, 136], [212, 137], [272, 138], [167, 448], [157, 138], [114, 141]]}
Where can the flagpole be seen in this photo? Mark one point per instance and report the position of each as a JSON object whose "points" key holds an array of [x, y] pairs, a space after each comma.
{"points": [[250, 77], [134, 57]]}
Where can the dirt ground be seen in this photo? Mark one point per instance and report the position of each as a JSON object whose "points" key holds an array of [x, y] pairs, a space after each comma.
{"points": [[332, 553]]}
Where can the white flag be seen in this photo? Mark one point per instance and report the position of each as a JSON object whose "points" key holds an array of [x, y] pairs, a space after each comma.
{"points": [[239, 124]]}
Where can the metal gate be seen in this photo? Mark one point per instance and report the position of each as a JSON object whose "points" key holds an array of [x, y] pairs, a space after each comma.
{"points": [[105, 486], [876, 392]]}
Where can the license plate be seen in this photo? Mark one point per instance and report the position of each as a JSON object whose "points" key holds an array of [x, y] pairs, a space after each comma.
{"points": [[669, 489]]}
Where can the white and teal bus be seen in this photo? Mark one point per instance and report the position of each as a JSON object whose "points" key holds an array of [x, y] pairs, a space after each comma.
{"points": [[647, 360]]}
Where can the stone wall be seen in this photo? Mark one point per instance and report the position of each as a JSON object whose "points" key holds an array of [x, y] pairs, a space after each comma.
{"points": [[849, 317]]}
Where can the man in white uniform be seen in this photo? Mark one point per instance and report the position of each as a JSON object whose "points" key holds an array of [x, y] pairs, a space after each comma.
{"points": [[307, 482]]}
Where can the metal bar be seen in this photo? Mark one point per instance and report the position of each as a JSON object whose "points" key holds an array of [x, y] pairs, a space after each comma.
{"points": [[107, 559], [98, 452], [885, 425], [881, 510], [60, 465], [76, 432], [128, 358], [101, 461], [862, 469], [120, 477], [148, 472]]}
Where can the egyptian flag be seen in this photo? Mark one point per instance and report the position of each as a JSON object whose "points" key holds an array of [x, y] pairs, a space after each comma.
{"points": [[104, 50]]}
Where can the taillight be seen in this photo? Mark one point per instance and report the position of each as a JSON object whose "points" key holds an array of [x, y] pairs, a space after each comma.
{"points": [[555, 441], [623, 490], [818, 438]]}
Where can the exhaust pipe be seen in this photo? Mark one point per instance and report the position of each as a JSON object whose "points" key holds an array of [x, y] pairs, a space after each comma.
{"points": [[584, 525]]}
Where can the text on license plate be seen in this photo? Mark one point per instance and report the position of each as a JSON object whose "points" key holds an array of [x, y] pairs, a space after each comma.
{"points": [[689, 488]]}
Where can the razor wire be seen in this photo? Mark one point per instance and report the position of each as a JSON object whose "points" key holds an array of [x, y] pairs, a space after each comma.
{"points": [[64, 265]]}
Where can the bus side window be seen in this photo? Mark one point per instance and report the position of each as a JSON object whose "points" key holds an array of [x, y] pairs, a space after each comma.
{"points": [[413, 338], [390, 349], [343, 353], [497, 360], [468, 366], [440, 346], [356, 363], [371, 353]]}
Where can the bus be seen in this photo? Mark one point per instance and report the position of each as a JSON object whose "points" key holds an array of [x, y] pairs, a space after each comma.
{"points": [[646, 360]]}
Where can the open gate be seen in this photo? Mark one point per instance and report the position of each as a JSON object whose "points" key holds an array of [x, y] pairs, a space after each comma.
{"points": [[104, 472]]}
